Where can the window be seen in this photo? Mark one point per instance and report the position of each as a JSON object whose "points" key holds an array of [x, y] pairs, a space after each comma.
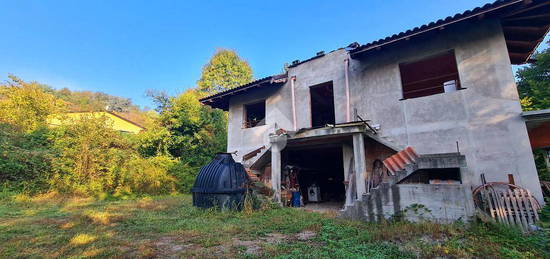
{"points": [[254, 114], [322, 104], [433, 75]]}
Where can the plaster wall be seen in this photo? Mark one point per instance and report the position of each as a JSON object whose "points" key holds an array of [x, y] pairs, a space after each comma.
{"points": [[484, 118]]}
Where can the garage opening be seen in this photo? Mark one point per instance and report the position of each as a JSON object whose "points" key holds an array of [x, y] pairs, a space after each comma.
{"points": [[320, 176], [322, 104]]}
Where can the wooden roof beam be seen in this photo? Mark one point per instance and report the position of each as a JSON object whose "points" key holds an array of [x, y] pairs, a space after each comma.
{"points": [[536, 16], [520, 43], [523, 10], [525, 29]]}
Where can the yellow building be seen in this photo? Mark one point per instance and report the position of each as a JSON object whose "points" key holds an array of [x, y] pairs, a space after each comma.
{"points": [[118, 122]]}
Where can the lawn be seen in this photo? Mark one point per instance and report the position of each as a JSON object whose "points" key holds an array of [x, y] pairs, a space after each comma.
{"points": [[51, 225]]}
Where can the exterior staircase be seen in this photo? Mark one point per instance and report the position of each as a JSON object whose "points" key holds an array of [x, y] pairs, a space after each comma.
{"points": [[373, 205], [255, 160]]}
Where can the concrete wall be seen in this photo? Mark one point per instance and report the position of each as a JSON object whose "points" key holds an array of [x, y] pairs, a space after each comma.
{"points": [[484, 118], [444, 203]]}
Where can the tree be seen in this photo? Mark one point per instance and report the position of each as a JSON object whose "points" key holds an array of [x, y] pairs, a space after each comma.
{"points": [[160, 99], [534, 91], [225, 70], [196, 131], [189, 132], [26, 105], [534, 83]]}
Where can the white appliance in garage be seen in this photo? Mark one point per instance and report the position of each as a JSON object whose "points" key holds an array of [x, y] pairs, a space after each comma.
{"points": [[314, 193]]}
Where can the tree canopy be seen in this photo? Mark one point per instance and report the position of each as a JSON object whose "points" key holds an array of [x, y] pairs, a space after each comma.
{"points": [[225, 70], [534, 83], [534, 92], [26, 105]]}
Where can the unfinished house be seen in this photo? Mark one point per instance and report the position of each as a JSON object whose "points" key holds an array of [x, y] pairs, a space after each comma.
{"points": [[406, 123]]}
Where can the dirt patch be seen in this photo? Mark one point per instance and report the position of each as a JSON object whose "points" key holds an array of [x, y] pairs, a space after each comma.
{"points": [[305, 235], [171, 245], [51, 221], [164, 247], [274, 238], [254, 247]]}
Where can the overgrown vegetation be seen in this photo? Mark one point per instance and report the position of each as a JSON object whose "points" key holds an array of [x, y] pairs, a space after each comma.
{"points": [[86, 157], [51, 226]]}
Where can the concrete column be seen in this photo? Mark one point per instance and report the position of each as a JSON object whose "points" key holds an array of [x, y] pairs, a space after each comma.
{"points": [[276, 174], [278, 143], [347, 151], [360, 164]]}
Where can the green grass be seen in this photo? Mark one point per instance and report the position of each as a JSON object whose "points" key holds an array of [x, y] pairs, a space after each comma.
{"points": [[55, 226]]}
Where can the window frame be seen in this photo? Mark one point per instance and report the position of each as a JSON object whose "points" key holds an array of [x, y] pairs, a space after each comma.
{"points": [[245, 122], [458, 82], [310, 88]]}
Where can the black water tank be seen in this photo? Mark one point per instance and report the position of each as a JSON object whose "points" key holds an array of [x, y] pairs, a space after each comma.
{"points": [[221, 183]]}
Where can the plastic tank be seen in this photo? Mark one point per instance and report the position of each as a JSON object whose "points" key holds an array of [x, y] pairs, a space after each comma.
{"points": [[221, 183]]}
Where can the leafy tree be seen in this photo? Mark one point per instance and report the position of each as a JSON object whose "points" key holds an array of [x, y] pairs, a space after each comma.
{"points": [[196, 131], [26, 106], [187, 131], [160, 99], [534, 83], [225, 70], [534, 91]]}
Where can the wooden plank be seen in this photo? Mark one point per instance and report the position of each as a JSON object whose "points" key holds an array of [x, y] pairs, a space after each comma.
{"points": [[534, 206], [516, 210], [502, 207], [498, 208], [508, 208], [527, 207], [517, 196], [487, 199]]}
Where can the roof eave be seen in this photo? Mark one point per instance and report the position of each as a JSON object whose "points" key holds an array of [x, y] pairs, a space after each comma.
{"points": [[481, 13], [220, 100]]}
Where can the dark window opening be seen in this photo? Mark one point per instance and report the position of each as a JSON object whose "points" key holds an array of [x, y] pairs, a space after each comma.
{"points": [[254, 114], [322, 104], [435, 176], [434, 75]]}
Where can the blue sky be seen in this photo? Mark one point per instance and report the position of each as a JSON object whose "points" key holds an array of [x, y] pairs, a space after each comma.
{"points": [[126, 47]]}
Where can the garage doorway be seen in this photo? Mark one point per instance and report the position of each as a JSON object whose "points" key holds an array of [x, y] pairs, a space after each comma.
{"points": [[320, 176]]}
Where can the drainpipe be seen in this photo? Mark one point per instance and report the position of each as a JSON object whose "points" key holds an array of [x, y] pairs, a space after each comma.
{"points": [[294, 124], [346, 68]]}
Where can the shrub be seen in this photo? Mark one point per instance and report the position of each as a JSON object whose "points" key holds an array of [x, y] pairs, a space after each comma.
{"points": [[185, 176], [94, 159], [25, 158], [146, 175]]}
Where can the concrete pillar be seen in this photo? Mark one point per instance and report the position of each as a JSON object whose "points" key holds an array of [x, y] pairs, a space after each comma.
{"points": [[360, 164], [276, 174], [347, 151], [278, 143]]}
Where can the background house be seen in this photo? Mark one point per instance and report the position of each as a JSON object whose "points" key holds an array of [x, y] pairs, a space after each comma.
{"points": [[118, 122]]}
